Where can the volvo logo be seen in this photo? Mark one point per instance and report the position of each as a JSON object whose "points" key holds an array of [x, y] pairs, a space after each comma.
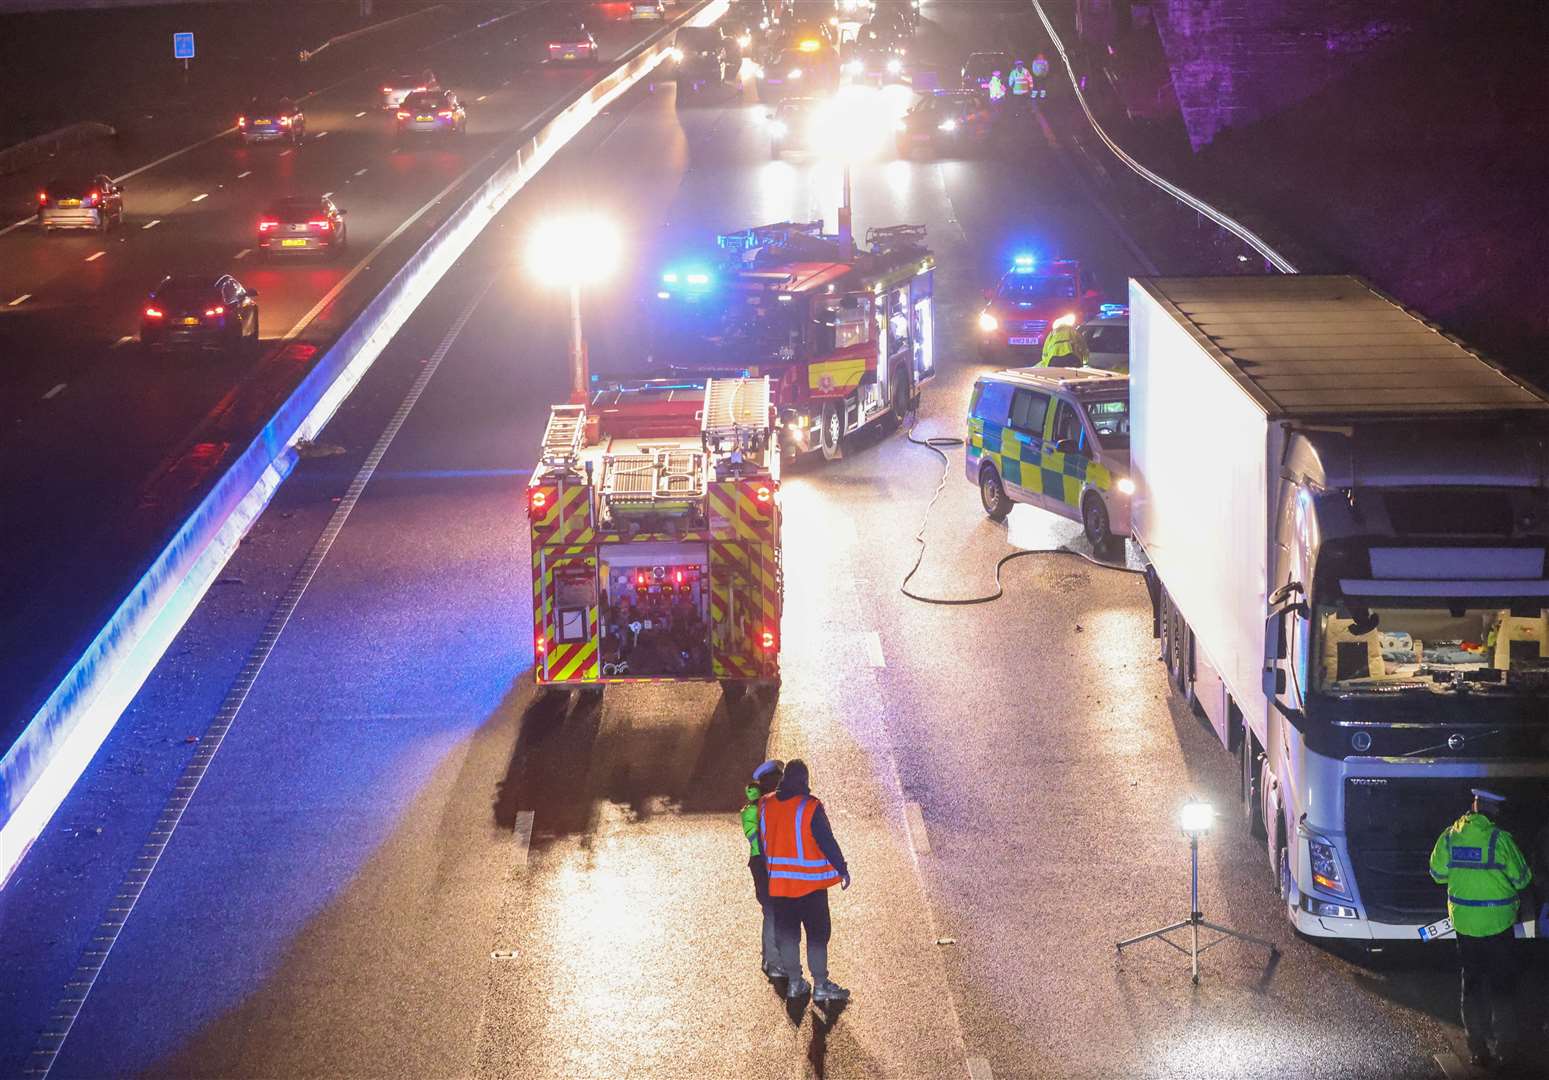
{"points": [[1455, 741]]}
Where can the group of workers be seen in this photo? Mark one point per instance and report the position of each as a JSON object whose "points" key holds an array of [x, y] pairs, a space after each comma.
{"points": [[1023, 81], [795, 860]]}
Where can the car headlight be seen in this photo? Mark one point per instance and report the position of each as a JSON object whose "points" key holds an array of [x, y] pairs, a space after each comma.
{"points": [[744, 40], [988, 322], [947, 125], [1125, 485], [894, 65], [1326, 871], [777, 127], [676, 54], [899, 125], [794, 73]]}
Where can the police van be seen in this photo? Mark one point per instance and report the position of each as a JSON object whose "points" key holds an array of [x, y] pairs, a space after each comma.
{"points": [[1057, 439]]}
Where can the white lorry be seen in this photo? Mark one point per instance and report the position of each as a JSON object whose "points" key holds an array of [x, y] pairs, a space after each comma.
{"points": [[1345, 515]]}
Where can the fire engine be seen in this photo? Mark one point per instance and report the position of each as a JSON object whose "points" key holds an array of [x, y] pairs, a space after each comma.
{"points": [[845, 336], [655, 527]]}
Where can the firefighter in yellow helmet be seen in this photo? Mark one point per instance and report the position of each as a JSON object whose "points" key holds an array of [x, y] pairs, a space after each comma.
{"points": [[1064, 347]]}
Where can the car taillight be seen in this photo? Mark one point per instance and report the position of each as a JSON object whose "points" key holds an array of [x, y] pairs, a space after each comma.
{"points": [[91, 198], [152, 313], [42, 198], [387, 89], [266, 224], [241, 121], [322, 225], [211, 312], [444, 112], [402, 115], [284, 121]]}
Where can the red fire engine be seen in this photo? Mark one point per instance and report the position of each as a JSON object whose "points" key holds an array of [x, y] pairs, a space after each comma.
{"points": [[655, 529], [845, 336]]}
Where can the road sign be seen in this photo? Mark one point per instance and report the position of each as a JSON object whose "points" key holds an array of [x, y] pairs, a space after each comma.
{"points": [[182, 46]]}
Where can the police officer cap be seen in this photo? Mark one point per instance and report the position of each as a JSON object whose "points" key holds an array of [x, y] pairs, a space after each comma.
{"points": [[1488, 796], [772, 767]]}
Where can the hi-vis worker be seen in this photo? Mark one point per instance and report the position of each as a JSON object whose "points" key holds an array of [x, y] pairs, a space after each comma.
{"points": [[804, 862], [1021, 80], [1040, 73], [765, 779], [1483, 871], [997, 87], [1064, 347]]}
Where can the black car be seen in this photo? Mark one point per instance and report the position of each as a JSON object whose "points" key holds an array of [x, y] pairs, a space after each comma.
{"points": [[951, 120], [703, 57], [302, 223], [790, 126], [979, 66], [199, 310]]}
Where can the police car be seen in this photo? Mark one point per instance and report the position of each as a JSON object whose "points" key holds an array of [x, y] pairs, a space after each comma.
{"points": [[1057, 439]]}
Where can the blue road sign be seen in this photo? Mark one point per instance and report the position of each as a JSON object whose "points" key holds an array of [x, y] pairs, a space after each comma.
{"points": [[182, 46]]}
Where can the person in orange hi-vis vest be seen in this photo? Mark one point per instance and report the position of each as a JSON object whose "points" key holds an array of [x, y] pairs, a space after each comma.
{"points": [[804, 862]]}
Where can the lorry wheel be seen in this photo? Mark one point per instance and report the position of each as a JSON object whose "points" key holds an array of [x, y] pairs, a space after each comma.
{"points": [[832, 435], [1094, 521], [996, 502]]}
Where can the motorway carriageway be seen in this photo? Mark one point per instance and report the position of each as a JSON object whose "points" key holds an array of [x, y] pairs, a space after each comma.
{"points": [[398, 864], [105, 450]]}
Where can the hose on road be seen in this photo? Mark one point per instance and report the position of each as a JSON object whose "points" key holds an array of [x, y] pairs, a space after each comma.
{"points": [[935, 444]]}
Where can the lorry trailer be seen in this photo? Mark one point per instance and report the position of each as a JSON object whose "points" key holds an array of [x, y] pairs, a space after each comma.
{"points": [[1344, 515]]}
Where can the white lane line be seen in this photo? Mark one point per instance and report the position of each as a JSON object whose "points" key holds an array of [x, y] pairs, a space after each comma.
{"points": [[874, 655], [125, 340], [1452, 1066], [919, 839], [327, 194], [22, 299], [523, 837], [54, 391], [360, 114], [481, 97], [151, 224], [321, 135], [361, 172], [244, 174], [242, 254], [95, 257], [284, 153], [979, 1069], [507, 82], [200, 197]]}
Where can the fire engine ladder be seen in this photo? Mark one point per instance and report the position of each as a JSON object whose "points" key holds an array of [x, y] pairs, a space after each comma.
{"points": [[736, 412], [564, 435]]}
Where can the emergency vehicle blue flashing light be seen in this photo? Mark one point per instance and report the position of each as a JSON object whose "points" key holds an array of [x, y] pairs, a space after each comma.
{"points": [[698, 279], [1023, 263], [670, 278]]}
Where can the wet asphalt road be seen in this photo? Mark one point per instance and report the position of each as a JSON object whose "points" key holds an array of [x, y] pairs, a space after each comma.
{"points": [[350, 891]]}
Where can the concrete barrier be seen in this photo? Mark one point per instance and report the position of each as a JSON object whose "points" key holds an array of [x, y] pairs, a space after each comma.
{"points": [[39, 770], [24, 155]]}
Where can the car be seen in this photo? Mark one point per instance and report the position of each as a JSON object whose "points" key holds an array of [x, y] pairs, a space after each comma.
{"points": [[647, 9], [1107, 338], [703, 57], [875, 61], [205, 311], [570, 40], [1028, 299], [1056, 439], [81, 202], [431, 112], [271, 119], [810, 66], [954, 121], [790, 126], [400, 86], [302, 223], [979, 66]]}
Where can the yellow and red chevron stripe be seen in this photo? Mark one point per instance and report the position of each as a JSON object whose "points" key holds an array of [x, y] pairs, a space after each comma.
{"points": [[565, 516]]}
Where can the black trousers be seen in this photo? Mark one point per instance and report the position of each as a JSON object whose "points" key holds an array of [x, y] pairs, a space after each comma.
{"points": [[769, 944], [1490, 971], [792, 915]]}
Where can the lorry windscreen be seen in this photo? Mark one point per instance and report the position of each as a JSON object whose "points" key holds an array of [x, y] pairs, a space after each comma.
{"points": [[724, 332], [1383, 647]]}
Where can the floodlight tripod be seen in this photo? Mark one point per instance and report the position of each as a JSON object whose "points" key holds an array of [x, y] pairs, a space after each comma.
{"points": [[1196, 920]]}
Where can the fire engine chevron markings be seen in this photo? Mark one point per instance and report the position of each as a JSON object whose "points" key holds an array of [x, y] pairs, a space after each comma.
{"points": [[132, 887]]}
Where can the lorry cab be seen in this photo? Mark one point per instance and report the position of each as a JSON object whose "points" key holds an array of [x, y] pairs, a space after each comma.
{"points": [[1057, 439]]}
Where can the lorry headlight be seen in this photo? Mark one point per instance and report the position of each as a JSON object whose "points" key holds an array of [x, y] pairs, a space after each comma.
{"points": [[1326, 871], [987, 322], [1126, 486], [1328, 910], [894, 65]]}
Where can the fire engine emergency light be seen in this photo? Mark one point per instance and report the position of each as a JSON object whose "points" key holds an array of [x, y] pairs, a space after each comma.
{"points": [[1023, 262]]}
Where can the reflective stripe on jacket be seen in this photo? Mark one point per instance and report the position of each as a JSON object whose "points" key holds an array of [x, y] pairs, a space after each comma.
{"points": [[796, 863], [1021, 81], [1484, 871]]}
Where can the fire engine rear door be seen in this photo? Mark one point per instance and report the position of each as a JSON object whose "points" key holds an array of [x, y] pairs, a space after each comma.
{"points": [[567, 622]]}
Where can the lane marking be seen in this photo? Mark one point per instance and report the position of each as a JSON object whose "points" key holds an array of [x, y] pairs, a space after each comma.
{"points": [[360, 114], [54, 391], [481, 97], [284, 153], [362, 172], [321, 135], [200, 197], [919, 839], [151, 224], [327, 194], [95, 257], [874, 655], [979, 1069], [523, 837], [22, 299], [1452, 1066], [242, 254], [95, 956], [244, 174], [121, 342]]}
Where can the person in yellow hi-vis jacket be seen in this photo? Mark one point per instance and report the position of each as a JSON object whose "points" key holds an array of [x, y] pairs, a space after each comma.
{"points": [[1483, 870], [765, 779], [1064, 347]]}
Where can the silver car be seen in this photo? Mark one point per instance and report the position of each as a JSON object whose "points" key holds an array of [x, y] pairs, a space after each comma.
{"points": [[88, 202]]}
